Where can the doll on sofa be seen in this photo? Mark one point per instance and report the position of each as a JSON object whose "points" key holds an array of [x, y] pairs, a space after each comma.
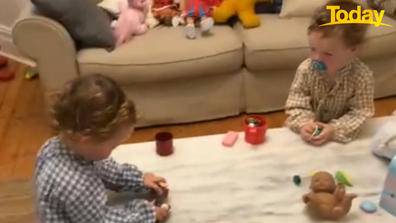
{"points": [[198, 10], [167, 12]]}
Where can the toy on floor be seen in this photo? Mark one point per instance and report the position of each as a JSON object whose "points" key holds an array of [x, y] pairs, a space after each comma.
{"points": [[200, 10], [368, 207], [388, 196], [31, 74], [243, 9], [5, 73], [230, 139], [131, 20], [327, 200], [255, 128]]}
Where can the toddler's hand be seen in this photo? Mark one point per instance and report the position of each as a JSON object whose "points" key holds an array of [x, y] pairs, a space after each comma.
{"points": [[161, 214], [307, 129], [154, 182], [325, 136]]}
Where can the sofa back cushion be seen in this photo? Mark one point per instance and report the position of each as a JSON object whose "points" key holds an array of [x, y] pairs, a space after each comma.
{"points": [[86, 23], [306, 8]]}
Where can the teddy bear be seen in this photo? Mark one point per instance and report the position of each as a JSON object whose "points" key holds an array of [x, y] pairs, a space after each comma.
{"points": [[244, 9], [327, 200], [131, 20]]}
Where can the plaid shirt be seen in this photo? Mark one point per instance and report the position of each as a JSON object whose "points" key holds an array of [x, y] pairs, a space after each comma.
{"points": [[345, 105], [70, 189]]}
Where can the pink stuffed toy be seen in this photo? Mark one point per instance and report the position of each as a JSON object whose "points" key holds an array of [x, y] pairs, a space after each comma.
{"points": [[131, 20]]}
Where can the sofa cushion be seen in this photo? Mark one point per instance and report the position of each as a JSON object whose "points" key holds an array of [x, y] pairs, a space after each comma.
{"points": [[283, 44], [306, 8], [165, 53]]}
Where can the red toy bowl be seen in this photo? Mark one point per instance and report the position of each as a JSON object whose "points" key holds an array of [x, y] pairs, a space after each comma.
{"points": [[255, 135]]}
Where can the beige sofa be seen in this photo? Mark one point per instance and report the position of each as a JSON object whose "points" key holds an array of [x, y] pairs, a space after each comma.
{"points": [[176, 80]]}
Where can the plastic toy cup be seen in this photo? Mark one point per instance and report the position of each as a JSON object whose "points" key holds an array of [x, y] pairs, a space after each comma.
{"points": [[255, 135], [164, 143]]}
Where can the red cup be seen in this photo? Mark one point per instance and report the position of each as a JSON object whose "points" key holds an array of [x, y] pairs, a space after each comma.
{"points": [[255, 135], [164, 143]]}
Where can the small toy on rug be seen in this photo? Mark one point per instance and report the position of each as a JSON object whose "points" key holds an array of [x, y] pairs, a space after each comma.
{"points": [[167, 12], [200, 10], [327, 200], [297, 179], [244, 9], [230, 139], [343, 178], [255, 128], [131, 20], [164, 143], [368, 207], [388, 195]]}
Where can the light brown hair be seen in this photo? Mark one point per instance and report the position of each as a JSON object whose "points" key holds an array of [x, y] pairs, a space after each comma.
{"points": [[91, 105], [351, 34]]}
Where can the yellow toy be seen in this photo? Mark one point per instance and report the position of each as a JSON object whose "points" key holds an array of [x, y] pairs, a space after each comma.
{"points": [[244, 9]]}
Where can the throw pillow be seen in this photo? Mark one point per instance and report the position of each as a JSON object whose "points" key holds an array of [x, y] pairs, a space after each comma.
{"points": [[86, 23], [306, 8], [388, 5]]}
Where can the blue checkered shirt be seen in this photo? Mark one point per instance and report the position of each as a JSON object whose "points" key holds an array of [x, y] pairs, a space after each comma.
{"points": [[73, 190]]}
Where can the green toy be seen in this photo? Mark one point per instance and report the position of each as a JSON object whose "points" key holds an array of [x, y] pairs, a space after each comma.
{"points": [[297, 179], [317, 131], [342, 178]]}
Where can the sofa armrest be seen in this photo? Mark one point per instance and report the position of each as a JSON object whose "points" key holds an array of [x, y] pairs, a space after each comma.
{"points": [[48, 44]]}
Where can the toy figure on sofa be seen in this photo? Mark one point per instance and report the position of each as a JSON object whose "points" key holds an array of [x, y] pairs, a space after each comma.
{"points": [[131, 20], [167, 12], [198, 10]]}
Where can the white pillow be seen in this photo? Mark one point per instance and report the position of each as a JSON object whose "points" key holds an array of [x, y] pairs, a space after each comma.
{"points": [[306, 8], [111, 6]]}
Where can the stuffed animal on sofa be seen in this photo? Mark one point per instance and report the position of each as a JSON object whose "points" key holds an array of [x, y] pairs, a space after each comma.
{"points": [[244, 9], [131, 20]]}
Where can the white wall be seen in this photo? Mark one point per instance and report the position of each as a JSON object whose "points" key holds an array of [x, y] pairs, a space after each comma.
{"points": [[9, 13]]}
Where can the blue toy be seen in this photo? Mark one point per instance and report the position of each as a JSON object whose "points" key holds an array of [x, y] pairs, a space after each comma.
{"points": [[368, 207], [388, 196], [318, 65]]}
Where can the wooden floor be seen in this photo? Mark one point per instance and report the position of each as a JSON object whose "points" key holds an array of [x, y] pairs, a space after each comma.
{"points": [[23, 129], [23, 126]]}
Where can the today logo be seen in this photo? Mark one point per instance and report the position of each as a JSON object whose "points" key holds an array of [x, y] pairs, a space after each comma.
{"points": [[366, 17]]}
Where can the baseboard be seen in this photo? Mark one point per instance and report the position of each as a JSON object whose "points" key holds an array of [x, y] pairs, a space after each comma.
{"points": [[8, 49]]}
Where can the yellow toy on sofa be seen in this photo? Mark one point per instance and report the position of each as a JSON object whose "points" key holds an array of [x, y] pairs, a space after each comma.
{"points": [[244, 9]]}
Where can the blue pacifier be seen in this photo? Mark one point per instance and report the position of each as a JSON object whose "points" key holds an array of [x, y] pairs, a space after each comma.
{"points": [[318, 65]]}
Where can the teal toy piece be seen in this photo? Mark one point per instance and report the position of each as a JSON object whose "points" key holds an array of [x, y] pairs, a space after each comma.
{"points": [[368, 207], [318, 65]]}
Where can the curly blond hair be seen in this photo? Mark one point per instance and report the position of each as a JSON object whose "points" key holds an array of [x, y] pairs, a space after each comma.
{"points": [[91, 105], [351, 34]]}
